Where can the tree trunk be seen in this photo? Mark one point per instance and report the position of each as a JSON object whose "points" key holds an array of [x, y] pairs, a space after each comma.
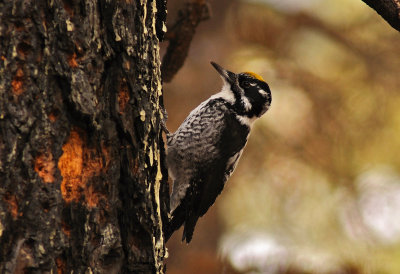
{"points": [[81, 153]]}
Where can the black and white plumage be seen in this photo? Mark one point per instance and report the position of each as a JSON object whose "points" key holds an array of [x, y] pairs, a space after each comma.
{"points": [[204, 151]]}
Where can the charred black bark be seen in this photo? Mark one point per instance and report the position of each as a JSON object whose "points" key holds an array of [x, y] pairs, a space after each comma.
{"points": [[81, 173]]}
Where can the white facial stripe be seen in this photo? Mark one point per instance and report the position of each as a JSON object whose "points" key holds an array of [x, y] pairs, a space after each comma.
{"points": [[246, 103], [263, 92], [225, 93], [244, 120], [253, 84]]}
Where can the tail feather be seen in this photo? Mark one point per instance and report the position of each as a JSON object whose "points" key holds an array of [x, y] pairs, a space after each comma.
{"points": [[188, 230], [184, 208], [177, 220]]}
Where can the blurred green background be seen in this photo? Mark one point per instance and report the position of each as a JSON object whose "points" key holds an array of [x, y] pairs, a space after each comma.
{"points": [[317, 189]]}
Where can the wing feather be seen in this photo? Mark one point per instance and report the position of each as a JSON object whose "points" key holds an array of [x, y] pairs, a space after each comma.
{"points": [[202, 154]]}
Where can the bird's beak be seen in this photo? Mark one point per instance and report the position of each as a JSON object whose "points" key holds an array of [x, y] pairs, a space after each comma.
{"points": [[226, 75]]}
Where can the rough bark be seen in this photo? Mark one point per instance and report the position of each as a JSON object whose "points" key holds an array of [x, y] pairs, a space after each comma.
{"points": [[388, 9], [81, 174]]}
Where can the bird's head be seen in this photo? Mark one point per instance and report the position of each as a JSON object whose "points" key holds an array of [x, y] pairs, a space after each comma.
{"points": [[248, 93]]}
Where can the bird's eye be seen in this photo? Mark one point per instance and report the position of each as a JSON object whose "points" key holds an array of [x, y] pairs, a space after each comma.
{"points": [[245, 84]]}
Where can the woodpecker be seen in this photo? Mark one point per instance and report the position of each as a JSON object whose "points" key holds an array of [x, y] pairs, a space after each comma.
{"points": [[204, 151]]}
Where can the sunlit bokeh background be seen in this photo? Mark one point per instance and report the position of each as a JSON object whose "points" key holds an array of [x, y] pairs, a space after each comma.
{"points": [[317, 189]]}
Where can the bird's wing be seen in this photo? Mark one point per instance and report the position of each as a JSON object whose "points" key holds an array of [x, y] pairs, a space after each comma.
{"points": [[202, 154], [192, 147], [230, 145], [212, 177]]}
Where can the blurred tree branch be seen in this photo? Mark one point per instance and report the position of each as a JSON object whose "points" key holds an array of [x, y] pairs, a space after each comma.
{"points": [[388, 9], [180, 36]]}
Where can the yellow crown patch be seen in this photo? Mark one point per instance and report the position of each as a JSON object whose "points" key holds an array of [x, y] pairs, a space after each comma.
{"points": [[254, 75]]}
